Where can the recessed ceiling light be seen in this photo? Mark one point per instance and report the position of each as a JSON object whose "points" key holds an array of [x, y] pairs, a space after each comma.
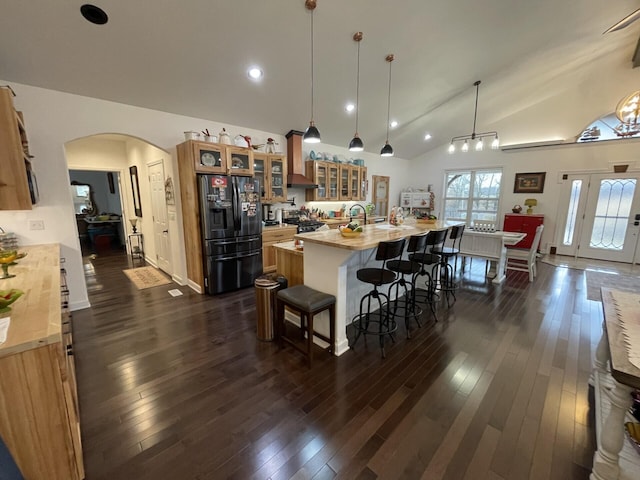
{"points": [[255, 73], [94, 14], [427, 136], [350, 107], [393, 124]]}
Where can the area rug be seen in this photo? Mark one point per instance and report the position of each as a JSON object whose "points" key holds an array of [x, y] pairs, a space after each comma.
{"points": [[146, 277], [595, 280]]}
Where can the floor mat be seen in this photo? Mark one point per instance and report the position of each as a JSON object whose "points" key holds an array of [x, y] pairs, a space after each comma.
{"points": [[146, 277], [595, 280]]}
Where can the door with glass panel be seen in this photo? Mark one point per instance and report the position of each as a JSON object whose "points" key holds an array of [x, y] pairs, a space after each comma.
{"points": [[600, 219]]}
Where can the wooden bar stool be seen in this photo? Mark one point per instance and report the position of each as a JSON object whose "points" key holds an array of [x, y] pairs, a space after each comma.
{"points": [[308, 303]]}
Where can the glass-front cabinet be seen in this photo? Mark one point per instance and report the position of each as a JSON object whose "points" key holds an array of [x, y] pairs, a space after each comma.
{"points": [[354, 181], [271, 172], [364, 186], [345, 182], [210, 158], [239, 161], [321, 174]]}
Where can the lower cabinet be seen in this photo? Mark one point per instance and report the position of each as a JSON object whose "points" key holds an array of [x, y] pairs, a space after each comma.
{"points": [[271, 236], [39, 417]]}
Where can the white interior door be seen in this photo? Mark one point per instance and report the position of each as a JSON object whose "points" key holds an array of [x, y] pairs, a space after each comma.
{"points": [[601, 218], [159, 212]]}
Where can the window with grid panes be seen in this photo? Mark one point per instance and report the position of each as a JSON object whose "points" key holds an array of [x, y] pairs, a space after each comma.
{"points": [[472, 195]]}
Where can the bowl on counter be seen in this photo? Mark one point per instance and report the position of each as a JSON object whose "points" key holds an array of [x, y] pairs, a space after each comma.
{"points": [[345, 232]]}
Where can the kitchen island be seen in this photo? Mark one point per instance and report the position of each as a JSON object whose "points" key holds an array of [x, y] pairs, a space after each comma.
{"points": [[331, 262]]}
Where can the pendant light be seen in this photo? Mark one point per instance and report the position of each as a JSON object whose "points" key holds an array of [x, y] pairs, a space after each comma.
{"points": [[356, 145], [478, 137], [311, 134], [387, 150]]}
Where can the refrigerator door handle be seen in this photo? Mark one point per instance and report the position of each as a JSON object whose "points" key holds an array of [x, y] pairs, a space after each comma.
{"points": [[234, 257], [238, 206]]}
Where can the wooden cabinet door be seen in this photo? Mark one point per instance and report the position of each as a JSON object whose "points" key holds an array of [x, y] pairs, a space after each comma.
{"points": [[268, 257], [278, 178], [240, 161], [523, 223], [318, 172], [260, 165], [354, 182], [333, 181], [209, 158], [364, 184], [345, 182]]}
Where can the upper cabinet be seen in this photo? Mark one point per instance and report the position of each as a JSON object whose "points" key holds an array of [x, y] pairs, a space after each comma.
{"points": [[336, 181], [18, 190], [325, 175], [271, 173], [216, 158]]}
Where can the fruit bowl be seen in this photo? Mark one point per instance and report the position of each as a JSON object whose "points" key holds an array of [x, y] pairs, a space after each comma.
{"points": [[7, 297], [345, 232]]}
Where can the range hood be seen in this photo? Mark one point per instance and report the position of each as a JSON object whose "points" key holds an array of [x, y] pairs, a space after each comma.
{"points": [[295, 164]]}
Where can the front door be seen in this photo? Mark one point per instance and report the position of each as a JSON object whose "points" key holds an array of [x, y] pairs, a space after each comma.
{"points": [[159, 212], [601, 217]]}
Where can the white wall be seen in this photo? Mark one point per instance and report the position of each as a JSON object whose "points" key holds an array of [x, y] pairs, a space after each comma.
{"points": [[592, 157], [54, 119]]}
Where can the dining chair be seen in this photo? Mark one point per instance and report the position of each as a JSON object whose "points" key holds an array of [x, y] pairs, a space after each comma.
{"points": [[524, 260]]}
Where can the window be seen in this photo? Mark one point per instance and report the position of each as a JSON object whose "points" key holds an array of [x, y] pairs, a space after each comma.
{"points": [[472, 195]]}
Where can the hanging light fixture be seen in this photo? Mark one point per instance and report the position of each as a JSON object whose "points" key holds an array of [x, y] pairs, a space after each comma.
{"points": [[311, 134], [356, 145], [478, 137], [387, 150]]}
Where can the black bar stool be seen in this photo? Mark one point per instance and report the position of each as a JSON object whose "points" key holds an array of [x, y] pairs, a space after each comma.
{"points": [[425, 259], [407, 267], [378, 276], [447, 282]]}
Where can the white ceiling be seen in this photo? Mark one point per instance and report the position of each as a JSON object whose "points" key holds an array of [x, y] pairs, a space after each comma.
{"points": [[546, 69]]}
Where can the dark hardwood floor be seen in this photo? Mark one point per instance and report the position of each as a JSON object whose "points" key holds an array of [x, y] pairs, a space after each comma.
{"points": [[179, 387]]}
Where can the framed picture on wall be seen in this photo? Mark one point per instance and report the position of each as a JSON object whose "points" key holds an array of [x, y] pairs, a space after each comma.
{"points": [[529, 182], [133, 172]]}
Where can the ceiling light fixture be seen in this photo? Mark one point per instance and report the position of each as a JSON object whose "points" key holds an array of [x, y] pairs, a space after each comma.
{"points": [[427, 136], [475, 136], [628, 112], [356, 145], [394, 124], [311, 134], [350, 107], [387, 150], [255, 73], [94, 14]]}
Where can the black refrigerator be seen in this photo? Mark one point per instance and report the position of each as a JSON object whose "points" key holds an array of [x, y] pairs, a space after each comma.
{"points": [[231, 225]]}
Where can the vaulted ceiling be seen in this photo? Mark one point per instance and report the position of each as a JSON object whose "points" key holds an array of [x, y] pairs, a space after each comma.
{"points": [[547, 70]]}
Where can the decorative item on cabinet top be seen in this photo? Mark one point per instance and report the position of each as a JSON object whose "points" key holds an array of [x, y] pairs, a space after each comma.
{"points": [[328, 157]]}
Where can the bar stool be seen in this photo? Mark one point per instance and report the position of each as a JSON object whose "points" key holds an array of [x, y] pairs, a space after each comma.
{"points": [[407, 267], [427, 259], [308, 303], [447, 272], [377, 277]]}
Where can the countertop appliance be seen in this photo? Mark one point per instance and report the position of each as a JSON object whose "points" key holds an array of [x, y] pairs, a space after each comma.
{"points": [[231, 225]]}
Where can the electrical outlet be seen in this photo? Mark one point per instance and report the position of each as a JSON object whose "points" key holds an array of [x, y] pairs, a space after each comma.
{"points": [[36, 224]]}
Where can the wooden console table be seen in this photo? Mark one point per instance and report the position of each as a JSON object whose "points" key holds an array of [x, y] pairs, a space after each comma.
{"points": [[614, 378]]}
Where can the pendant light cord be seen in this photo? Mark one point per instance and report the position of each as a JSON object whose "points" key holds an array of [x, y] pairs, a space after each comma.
{"points": [[358, 89], [389, 96], [475, 112], [312, 66]]}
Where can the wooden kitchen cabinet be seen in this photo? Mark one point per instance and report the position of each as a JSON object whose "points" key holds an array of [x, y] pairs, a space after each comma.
{"points": [[271, 172], [326, 176], [39, 418], [18, 190], [217, 158], [523, 223], [270, 237]]}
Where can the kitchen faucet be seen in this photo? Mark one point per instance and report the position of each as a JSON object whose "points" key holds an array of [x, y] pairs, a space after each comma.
{"points": [[364, 210]]}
